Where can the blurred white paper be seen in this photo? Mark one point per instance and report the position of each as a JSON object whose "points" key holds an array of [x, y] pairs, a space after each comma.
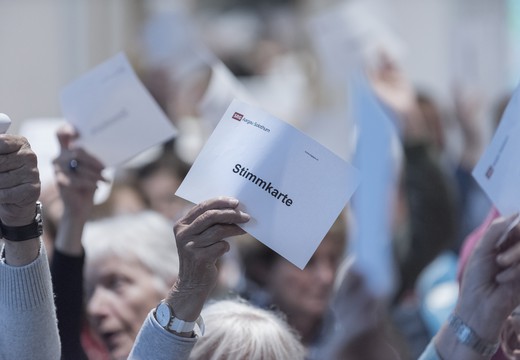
{"points": [[497, 172], [351, 35], [41, 134], [222, 89], [293, 187], [115, 115], [372, 204]]}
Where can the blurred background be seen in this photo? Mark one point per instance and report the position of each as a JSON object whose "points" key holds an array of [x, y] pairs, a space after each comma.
{"points": [[47, 43], [444, 70]]}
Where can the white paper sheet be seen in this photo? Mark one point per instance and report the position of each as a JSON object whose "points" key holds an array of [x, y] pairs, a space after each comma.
{"points": [[41, 134], [497, 171], [293, 187], [115, 115]]}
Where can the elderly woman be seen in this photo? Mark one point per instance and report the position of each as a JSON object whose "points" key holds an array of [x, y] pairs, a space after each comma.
{"points": [[131, 262]]}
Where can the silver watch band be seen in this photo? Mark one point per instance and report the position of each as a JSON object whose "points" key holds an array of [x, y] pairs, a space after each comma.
{"points": [[466, 335], [165, 316]]}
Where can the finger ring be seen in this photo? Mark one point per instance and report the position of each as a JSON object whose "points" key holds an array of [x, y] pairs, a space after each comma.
{"points": [[73, 165]]}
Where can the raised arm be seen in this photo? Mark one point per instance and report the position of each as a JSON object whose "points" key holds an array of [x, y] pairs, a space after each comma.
{"points": [[490, 290], [77, 174], [28, 327], [200, 240]]}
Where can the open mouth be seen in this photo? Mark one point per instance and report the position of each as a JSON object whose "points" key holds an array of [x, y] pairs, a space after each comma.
{"points": [[111, 339]]}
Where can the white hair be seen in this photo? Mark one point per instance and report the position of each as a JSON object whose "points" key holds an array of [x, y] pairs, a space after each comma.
{"points": [[238, 330], [146, 236]]}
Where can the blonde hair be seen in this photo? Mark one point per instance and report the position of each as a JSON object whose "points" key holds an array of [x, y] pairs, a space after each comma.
{"points": [[237, 330]]}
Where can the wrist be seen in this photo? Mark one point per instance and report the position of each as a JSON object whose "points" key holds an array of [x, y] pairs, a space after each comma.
{"points": [[487, 325], [481, 321], [187, 301], [21, 253], [167, 316], [23, 230], [76, 215]]}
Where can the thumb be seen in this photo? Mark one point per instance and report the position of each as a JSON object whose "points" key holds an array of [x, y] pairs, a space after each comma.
{"points": [[497, 233]]}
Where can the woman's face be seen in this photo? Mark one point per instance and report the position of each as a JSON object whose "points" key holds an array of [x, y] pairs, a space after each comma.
{"points": [[120, 293], [307, 292]]}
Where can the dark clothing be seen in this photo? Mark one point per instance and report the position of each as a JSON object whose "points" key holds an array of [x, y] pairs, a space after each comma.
{"points": [[67, 280]]}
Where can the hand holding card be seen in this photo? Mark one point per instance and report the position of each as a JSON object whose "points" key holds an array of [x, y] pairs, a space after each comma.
{"points": [[293, 187]]}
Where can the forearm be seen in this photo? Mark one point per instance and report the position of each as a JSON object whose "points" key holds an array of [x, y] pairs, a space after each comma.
{"points": [[153, 342], [28, 328], [69, 234], [448, 347], [485, 325], [67, 280], [187, 302], [21, 253]]}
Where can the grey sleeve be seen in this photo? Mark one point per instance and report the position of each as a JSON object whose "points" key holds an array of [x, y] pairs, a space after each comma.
{"points": [[153, 342], [28, 326], [430, 353]]}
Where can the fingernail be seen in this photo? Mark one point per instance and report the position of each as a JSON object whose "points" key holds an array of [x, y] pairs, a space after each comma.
{"points": [[501, 259], [233, 202], [245, 215]]}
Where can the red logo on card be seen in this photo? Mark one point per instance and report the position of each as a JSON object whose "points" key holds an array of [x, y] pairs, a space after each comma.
{"points": [[489, 172], [238, 116]]}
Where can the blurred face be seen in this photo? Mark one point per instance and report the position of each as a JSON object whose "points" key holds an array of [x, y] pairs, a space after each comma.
{"points": [[307, 292], [120, 293], [158, 189]]}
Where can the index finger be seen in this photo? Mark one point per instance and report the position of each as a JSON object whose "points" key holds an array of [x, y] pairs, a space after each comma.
{"points": [[222, 202]]}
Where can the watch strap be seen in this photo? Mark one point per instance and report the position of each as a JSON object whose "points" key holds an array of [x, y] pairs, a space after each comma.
{"points": [[172, 323], [466, 335], [25, 232], [180, 326]]}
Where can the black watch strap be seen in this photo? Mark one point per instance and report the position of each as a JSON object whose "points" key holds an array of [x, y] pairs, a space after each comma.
{"points": [[26, 232]]}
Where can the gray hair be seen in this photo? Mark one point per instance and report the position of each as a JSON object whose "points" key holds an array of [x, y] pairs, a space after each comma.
{"points": [[147, 236], [237, 330]]}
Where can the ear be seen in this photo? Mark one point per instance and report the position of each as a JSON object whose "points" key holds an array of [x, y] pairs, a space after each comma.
{"points": [[509, 340]]}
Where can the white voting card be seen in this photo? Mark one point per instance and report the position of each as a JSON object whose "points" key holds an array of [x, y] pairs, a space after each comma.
{"points": [[293, 187], [498, 171], [372, 205], [115, 115]]}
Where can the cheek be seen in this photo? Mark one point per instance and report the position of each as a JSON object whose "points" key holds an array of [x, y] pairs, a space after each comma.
{"points": [[140, 301]]}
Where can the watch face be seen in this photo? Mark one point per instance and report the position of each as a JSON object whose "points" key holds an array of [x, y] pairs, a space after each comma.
{"points": [[163, 314]]}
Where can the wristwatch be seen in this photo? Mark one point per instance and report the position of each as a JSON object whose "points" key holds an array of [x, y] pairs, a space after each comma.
{"points": [[26, 232], [166, 318], [466, 335]]}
